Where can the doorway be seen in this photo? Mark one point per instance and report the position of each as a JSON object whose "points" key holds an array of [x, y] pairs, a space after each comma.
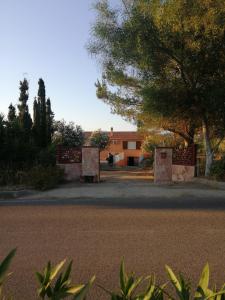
{"points": [[132, 161]]}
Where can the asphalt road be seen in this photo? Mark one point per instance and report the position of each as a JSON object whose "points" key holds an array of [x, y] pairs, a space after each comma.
{"points": [[96, 235]]}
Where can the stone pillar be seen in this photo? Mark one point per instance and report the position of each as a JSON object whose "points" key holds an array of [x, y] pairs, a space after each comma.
{"points": [[163, 165], [90, 164]]}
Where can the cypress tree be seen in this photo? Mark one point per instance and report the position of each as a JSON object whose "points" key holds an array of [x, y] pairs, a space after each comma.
{"points": [[49, 121], [36, 120], [25, 121], [11, 114], [42, 111]]}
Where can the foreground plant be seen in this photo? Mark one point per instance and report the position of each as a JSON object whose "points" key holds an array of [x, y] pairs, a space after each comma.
{"points": [[56, 285], [130, 287], [183, 287], [4, 266], [60, 287]]}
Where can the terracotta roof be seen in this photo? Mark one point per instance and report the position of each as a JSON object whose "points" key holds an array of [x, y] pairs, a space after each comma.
{"points": [[121, 135]]}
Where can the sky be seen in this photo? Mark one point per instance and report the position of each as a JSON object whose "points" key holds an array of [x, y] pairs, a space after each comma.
{"points": [[47, 39]]}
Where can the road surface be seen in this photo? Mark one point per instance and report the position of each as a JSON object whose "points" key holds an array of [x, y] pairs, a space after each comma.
{"points": [[96, 234]]}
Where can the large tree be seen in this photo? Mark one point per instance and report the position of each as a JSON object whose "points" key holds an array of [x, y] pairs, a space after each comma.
{"points": [[43, 117], [68, 134], [99, 139], [166, 59], [11, 114], [49, 121], [42, 113], [24, 117]]}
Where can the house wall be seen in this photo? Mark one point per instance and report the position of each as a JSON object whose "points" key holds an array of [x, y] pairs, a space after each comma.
{"points": [[126, 153]]}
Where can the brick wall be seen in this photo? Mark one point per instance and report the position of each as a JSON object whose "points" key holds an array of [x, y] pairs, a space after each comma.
{"points": [[185, 157], [68, 155]]}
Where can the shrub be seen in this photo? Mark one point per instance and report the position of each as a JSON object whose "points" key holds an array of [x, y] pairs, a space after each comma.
{"points": [[13, 177], [47, 157], [43, 178], [60, 287], [39, 177], [147, 162], [218, 169]]}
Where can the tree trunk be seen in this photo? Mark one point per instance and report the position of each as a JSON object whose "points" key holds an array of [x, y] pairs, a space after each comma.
{"points": [[208, 148]]}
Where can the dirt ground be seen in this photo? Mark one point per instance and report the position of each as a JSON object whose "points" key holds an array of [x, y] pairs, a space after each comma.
{"points": [[97, 238], [96, 235]]}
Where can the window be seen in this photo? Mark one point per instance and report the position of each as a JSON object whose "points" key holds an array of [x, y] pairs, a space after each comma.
{"points": [[131, 145], [115, 142]]}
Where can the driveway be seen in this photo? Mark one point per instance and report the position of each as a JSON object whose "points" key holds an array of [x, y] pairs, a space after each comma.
{"points": [[125, 185]]}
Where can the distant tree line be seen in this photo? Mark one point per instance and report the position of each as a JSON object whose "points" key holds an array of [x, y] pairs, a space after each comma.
{"points": [[22, 137], [29, 141]]}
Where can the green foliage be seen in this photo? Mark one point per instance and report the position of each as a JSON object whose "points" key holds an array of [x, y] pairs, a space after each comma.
{"points": [[11, 114], [10, 176], [49, 122], [99, 139], [44, 178], [147, 162], [47, 156], [24, 117], [42, 113], [203, 292], [164, 59], [68, 134], [218, 169], [130, 288], [55, 284], [40, 177], [159, 140], [60, 287], [43, 117], [4, 266]]}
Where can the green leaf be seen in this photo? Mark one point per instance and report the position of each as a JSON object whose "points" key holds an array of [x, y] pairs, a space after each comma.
{"points": [[5, 265], [58, 283], [67, 272], [75, 289], [134, 285], [56, 269], [40, 277], [173, 279], [82, 294], [202, 289], [123, 277], [149, 293], [213, 295]]}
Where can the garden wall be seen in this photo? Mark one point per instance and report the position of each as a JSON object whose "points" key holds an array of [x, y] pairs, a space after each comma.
{"points": [[91, 163], [174, 164], [183, 163], [79, 163]]}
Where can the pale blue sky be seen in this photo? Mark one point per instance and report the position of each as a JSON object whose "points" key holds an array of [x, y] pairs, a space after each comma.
{"points": [[47, 38]]}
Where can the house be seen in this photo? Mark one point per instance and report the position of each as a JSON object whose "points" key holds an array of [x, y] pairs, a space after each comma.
{"points": [[125, 146]]}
